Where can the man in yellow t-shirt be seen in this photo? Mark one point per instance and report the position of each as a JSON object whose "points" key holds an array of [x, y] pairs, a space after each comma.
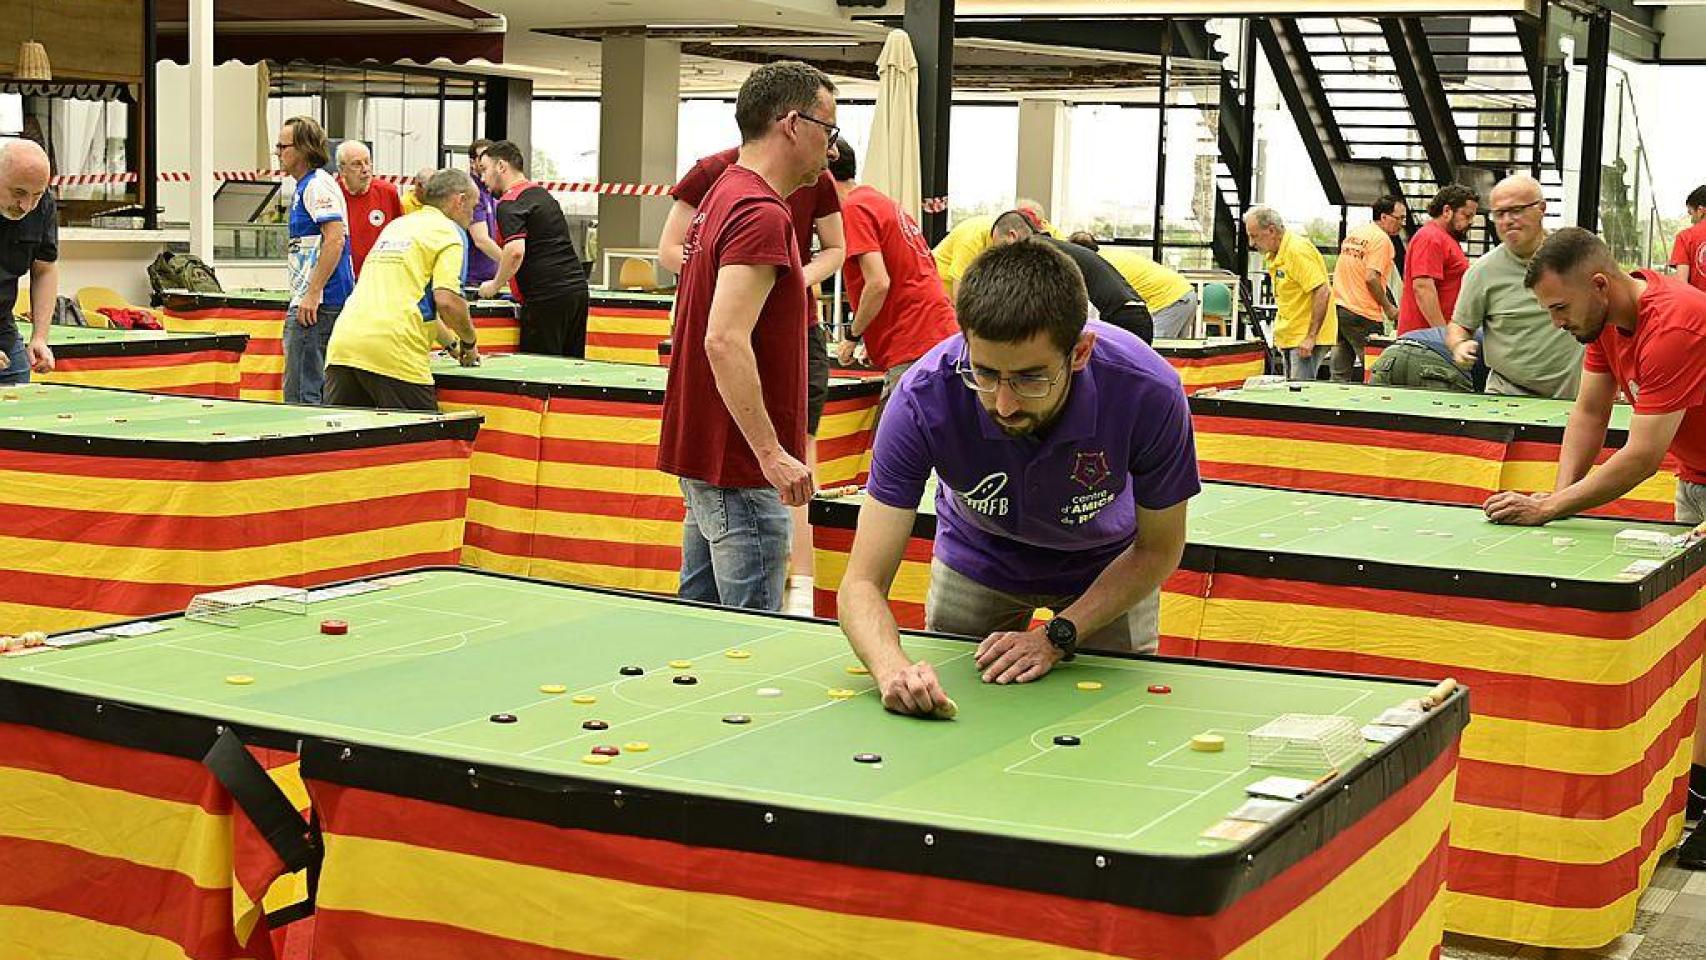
{"points": [[971, 236], [1362, 285], [1305, 327], [379, 355], [1171, 299]]}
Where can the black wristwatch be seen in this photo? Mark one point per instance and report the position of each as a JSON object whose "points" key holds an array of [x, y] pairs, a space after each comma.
{"points": [[1063, 633]]}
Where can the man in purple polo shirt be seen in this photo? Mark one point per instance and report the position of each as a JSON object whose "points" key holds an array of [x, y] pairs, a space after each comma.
{"points": [[1065, 458]]}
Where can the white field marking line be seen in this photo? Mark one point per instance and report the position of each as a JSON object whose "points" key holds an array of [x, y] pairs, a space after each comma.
{"points": [[1227, 779], [1367, 515], [1156, 762], [600, 686], [393, 650], [1123, 784], [1050, 748], [909, 816]]}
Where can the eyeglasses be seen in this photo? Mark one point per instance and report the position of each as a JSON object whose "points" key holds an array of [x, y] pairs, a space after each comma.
{"points": [[283, 146], [1511, 213], [834, 131], [1031, 386]]}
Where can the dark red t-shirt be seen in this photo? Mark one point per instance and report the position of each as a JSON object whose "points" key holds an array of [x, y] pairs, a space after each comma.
{"points": [[1663, 363], [1434, 253], [916, 316], [806, 205], [741, 220], [1690, 251], [368, 214]]}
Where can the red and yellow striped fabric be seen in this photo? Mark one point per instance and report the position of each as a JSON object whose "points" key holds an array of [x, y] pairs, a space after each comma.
{"points": [[1213, 364], [201, 373], [116, 852], [568, 489], [105, 538], [435, 882], [261, 318], [625, 331], [1398, 463], [1576, 761]]}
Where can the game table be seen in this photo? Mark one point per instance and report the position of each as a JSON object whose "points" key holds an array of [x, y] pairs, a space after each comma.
{"points": [[122, 504], [1371, 352], [1400, 442], [1585, 676], [1202, 364], [626, 326], [491, 777], [187, 363], [260, 315], [565, 479]]}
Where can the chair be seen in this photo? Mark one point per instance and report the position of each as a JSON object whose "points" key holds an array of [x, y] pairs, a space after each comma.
{"points": [[1216, 309], [636, 275], [92, 299]]}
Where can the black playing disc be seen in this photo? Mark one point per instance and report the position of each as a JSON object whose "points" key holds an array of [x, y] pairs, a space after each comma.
{"points": [[1066, 740], [631, 671], [686, 679], [868, 757], [737, 718], [595, 725], [503, 718]]}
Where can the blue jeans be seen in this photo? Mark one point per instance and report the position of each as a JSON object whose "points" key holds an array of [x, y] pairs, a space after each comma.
{"points": [[16, 368], [734, 545], [1305, 366], [305, 355]]}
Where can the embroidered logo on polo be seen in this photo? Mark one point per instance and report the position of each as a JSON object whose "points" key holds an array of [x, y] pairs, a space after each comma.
{"points": [[376, 217], [986, 497], [1091, 471]]}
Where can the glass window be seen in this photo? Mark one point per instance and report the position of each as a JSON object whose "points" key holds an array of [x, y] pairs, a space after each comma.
{"points": [[983, 158], [11, 114], [565, 147]]}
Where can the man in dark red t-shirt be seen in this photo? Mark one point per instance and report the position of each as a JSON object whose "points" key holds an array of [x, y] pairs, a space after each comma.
{"points": [[734, 410], [369, 202], [900, 308], [1646, 338], [1688, 257], [1435, 263]]}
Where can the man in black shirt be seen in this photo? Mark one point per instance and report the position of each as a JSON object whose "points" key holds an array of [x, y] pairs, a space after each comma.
{"points": [[1114, 299], [549, 278], [29, 246]]}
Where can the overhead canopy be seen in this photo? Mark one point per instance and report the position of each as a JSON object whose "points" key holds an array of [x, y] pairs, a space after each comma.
{"points": [[348, 31]]}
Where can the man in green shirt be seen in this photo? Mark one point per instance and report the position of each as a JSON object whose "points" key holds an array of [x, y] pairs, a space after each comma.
{"points": [[1526, 355]]}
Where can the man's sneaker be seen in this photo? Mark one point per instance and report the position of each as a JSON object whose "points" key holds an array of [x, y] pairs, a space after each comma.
{"points": [[1692, 854]]}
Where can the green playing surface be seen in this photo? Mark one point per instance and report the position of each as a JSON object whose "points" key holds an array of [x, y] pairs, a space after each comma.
{"points": [[569, 372], [1395, 532], [427, 662], [121, 414], [1432, 404], [79, 336]]}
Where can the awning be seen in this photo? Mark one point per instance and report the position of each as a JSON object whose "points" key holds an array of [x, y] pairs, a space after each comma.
{"points": [[337, 31]]}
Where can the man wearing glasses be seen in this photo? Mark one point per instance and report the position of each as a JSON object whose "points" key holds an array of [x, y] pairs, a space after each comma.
{"points": [[1064, 455], [1526, 355], [734, 410]]}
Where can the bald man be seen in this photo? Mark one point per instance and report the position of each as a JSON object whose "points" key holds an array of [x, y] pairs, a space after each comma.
{"points": [[29, 246], [370, 203], [1527, 356]]}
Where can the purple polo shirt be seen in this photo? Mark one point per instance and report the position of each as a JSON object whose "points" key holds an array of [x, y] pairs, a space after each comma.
{"points": [[1039, 516]]}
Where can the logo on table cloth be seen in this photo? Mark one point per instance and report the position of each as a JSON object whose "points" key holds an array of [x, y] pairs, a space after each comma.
{"points": [[986, 497], [1091, 469]]}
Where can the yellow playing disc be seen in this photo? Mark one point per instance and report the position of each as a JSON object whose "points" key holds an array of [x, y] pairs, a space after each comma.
{"points": [[1208, 743], [841, 693], [1089, 685], [857, 670], [736, 654], [948, 711], [239, 679], [596, 758], [638, 746], [584, 698], [680, 664], [552, 688]]}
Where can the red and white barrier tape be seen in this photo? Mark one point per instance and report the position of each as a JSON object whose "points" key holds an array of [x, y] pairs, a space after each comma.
{"points": [[178, 176]]}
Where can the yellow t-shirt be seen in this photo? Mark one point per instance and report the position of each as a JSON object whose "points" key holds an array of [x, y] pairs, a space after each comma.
{"points": [[381, 329], [1159, 286], [961, 246], [1297, 269], [411, 203]]}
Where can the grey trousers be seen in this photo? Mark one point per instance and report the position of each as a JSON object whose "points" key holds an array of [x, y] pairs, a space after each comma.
{"points": [[960, 605]]}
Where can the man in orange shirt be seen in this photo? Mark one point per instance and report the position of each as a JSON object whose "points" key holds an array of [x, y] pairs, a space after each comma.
{"points": [[1689, 256], [1362, 284]]}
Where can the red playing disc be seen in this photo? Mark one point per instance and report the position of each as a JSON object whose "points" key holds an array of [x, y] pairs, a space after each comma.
{"points": [[1160, 688], [334, 627]]}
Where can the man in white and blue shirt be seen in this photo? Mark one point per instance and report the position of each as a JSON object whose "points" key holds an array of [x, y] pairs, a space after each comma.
{"points": [[321, 271]]}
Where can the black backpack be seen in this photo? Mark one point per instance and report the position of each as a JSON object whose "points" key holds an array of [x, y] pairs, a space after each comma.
{"points": [[181, 271]]}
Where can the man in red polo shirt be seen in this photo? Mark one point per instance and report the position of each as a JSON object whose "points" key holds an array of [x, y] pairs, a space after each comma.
{"points": [[900, 309], [370, 202], [1688, 257], [734, 412], [1646, 338], [1435, 263]]}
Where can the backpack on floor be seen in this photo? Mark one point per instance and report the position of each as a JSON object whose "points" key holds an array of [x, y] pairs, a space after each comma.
{"points": [[181, 271], [68, 313]]}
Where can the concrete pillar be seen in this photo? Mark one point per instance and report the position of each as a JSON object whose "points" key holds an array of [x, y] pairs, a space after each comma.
{"points": [[509, 112], [640, 102], [201, 128], [346, 116], [1043, 145]]}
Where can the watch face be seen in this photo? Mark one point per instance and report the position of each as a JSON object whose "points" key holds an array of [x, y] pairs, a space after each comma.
{"points": [[1060, 633]]}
